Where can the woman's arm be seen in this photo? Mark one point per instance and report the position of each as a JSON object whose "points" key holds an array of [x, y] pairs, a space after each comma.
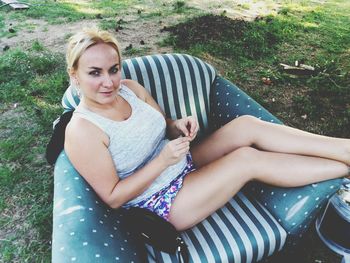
{"points": [[87, 148]]}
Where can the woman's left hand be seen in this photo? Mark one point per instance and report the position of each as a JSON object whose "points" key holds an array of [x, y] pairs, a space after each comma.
{"points": [[188, 126]]}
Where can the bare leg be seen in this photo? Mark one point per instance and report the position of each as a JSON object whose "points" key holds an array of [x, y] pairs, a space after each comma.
{"points": [[226, 163], [250, 131], [210, 187]]}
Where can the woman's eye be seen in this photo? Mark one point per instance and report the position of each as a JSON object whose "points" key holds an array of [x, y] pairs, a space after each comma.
{"points": [[114, 70], [94, 73]]}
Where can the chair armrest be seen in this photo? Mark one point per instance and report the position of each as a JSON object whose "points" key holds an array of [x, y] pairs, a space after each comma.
{"points": [[294, 208], [228, 102], [84, 228]]}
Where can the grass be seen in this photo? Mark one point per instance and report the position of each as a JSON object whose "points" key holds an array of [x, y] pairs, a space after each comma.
{"points": [[314, 35], [68, 11], [60, 12], [32, 82]]}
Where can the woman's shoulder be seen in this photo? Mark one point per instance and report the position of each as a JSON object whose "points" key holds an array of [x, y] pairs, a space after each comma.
{"points": [[80, 130], [135, 87]]}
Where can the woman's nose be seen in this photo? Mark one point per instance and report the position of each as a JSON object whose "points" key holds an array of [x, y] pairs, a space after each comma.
{"points": [[107, 81]]}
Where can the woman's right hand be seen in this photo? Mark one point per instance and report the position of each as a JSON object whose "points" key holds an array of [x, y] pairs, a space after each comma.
{"points": [[175, 150]]}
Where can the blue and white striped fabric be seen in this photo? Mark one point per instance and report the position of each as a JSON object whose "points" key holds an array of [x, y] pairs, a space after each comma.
{"points": [[242, 231], [179, 83]]}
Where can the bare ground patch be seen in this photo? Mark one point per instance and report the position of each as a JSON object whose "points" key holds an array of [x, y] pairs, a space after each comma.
{"points": [[141, 33]]}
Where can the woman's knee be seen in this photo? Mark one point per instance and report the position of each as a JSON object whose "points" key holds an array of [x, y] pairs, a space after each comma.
{"points": [[245, 154], [245, 161], [245, 121], [243, 126], [244, 157]]}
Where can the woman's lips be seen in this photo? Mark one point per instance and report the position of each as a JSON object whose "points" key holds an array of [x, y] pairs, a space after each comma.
{"points": [[106, 93]]}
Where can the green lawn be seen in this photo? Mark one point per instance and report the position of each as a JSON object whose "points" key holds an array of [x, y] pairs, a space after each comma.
{"points": [[32, 81], [247, 52]]}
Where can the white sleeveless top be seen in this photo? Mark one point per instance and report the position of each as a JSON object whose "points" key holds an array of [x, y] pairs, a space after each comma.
{"points": [[135, 141]]}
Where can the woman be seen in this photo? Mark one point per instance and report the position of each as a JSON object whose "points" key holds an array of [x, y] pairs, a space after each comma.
{"points": [[117, 140]]}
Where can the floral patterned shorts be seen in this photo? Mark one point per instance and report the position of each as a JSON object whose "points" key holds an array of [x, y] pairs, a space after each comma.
{"points": [[161, 201]]}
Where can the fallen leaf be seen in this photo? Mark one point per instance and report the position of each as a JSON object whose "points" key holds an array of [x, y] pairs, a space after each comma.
{"points": [[266, 81]]}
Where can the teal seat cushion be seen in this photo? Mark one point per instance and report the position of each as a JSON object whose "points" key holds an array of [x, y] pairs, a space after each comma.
{"points": [[85, 229]]}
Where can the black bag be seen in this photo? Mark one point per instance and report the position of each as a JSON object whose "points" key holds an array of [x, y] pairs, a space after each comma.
{"points": [[157, 232], [56, 144]]}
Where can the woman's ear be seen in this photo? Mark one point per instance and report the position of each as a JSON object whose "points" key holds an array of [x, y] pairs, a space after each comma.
{"points": [[74, 83], [73, 78]]}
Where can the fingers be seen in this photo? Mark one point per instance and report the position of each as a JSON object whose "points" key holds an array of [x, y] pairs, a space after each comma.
{"points": [[182, 126], [175, 150], [188, 126], [181, 144], [181, 140], [193, 127]]}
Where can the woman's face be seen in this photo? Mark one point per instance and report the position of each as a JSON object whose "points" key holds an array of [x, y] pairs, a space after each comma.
{"points": [[98, 74]]}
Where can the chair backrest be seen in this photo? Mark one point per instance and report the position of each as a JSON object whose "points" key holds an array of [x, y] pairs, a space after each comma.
{"points": [[179, 83]]}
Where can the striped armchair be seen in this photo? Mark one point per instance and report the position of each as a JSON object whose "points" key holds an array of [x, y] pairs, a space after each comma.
{"points": [[259, 221]]}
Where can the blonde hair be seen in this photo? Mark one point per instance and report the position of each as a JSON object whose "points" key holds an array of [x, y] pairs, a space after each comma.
{"points": [[84, 39]]}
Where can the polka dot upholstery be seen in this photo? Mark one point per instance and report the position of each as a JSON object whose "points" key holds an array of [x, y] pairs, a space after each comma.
{"points": [[294, 208], [229, 102], [85, 229]]}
